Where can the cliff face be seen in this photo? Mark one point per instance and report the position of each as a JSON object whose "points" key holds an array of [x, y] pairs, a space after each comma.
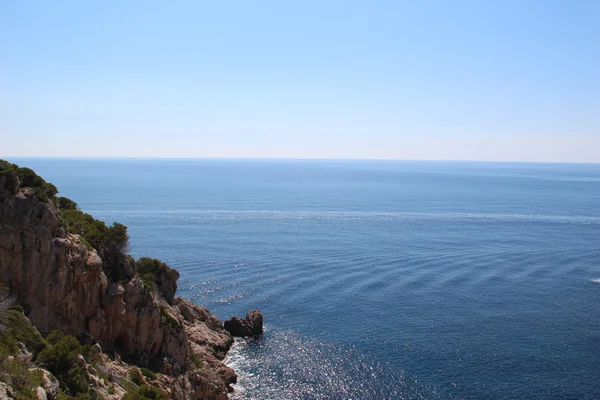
{"points": [[61, 284]]}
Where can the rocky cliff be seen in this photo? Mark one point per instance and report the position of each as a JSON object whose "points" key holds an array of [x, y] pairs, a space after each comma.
{"points": [[63, 284]]}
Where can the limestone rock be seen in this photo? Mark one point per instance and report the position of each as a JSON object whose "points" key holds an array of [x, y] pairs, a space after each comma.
{"points": [[167, 283], [255, 320], [5, 392], [252, 325], [51, 385], [61, 284], [41, 393]]}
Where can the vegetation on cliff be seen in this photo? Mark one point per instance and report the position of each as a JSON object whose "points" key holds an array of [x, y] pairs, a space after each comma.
{"points": [[14, 371], [111, 242], [57, 353], [72, 271], [16, 176], [95, 232], [25, 354]]}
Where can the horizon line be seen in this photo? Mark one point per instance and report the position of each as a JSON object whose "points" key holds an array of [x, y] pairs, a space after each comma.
{"points": [[165, 158]]}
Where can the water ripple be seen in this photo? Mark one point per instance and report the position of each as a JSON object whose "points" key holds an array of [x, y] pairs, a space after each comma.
{"points": [[202, 215]]}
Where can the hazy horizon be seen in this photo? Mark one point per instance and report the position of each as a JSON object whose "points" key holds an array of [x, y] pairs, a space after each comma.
{"points": [[165, 158], [463, 81]]}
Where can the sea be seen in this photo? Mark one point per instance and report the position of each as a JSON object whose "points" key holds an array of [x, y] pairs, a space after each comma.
{"points": [[377, 279]]}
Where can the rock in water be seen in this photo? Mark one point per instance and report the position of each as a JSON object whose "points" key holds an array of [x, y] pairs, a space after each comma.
{"points": [[236, 327], [255, 320], [252, 325]]}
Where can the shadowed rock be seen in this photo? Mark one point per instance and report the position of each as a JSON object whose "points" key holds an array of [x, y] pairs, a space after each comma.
{"points": [[252, 325]]}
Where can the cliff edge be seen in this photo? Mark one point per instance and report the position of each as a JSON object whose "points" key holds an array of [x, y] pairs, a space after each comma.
{"points": [[69, 272]]}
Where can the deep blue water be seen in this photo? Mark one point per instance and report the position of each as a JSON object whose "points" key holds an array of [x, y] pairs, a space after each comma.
{"points": [[377, 279]]}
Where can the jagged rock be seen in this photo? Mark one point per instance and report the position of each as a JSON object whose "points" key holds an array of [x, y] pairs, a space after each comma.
{"points": [[252, 325], [97, 348], [237, 327], [62, 285], [167, 283], [41, 393], [51, 385], [255, 320], [49, 388], [5, 392]]}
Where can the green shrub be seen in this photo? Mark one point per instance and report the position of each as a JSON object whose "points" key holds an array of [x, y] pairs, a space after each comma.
{"points": [[5, 165], [8, 345], [16, 374], [40, 195], [155, 274], [136, 376], [18, 308], [60, 358], [148, 268], [148, 374], [95, 232], [145, 392], [129, 386], [8, 171], [66, 204], [91, 354], [132, 395], [151, 392], [15, 371], [149, 280], [111, 242], [78, 396], [111, 390], [28, 178], [18, 327]]}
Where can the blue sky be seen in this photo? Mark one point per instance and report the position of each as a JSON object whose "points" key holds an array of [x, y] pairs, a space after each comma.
{"points": [[461, 80]]}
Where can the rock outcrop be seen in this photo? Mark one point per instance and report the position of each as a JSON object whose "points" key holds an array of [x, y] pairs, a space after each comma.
{"points": [[252, 325], [61, 284]]}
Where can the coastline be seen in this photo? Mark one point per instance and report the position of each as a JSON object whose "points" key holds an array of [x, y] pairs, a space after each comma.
{"points": [[69, 273]]}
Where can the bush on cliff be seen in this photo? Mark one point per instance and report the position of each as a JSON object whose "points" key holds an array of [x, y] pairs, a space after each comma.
{"points": [[95, 232], [16, 373], [58, 353], [137, 389], [15, 328], [18, 329], [145, 392], [151, 392], [148, 268], [16, 177], [156, 275], [61, 357], [65, 203], [135, 376], [148, 374], [111, 242]]}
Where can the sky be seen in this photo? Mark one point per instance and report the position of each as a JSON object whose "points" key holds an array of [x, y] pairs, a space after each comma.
{"points": [[506, 80]]}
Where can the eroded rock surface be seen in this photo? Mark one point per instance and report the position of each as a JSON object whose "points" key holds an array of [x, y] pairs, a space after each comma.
{"points": [[252, 325], [61, 284]]}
